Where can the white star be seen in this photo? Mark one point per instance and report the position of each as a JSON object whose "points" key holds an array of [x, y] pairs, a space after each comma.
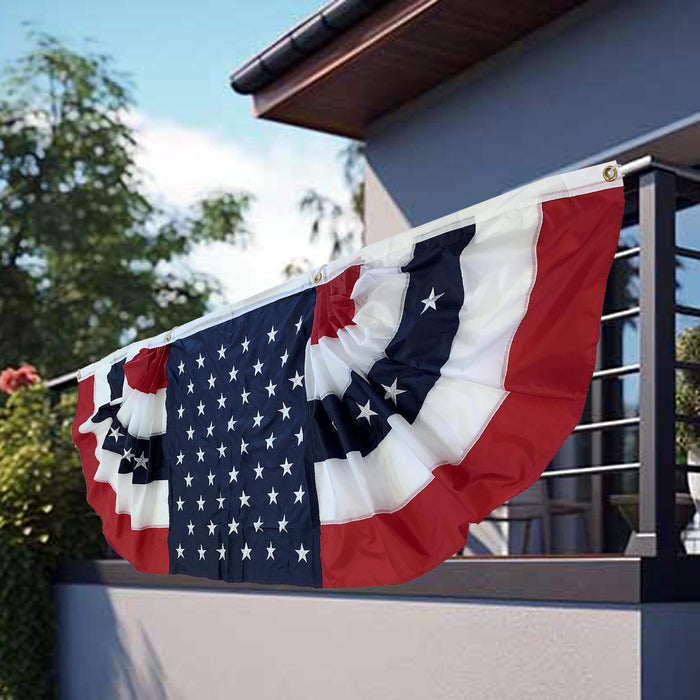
{"points": [[180, 503], [200, 455], [245, 344], [202, 552], [296, 380], [299, 436], [181, 367], [429, 301], [271, 335], [115, 433], [244, 396], [286, 467], [190, 528], [141, 462], [222, 551], [231, 424], [233, 374], [201, 408], [233, 475], [180, 551], [269, 441], [210, 429], [270, 551], [299, 495], [221, 500], [258, 524], [365, 411], [246, 552], [211, 380], [299, 322], [212, 527], [188, 479], [270, 389], [222, 352], [283, 523], [244, 500], [284, 358], [190, 433], [273, 496], [190, 387], [244, 447], [258, 472], [222, 401], [211, 476], [393, 391], [180, 411], [302, 553], [128, 454], [180, 457], [200, 361], [256, 419], [233, 526], [284, 411], [200, 503], [258, 367], [222, 450]]}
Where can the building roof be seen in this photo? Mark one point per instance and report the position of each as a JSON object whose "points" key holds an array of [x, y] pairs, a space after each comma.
{"points": [[355, 60]]}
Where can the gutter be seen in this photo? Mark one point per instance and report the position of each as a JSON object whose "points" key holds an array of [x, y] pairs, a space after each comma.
{"points": [[302, 41]]}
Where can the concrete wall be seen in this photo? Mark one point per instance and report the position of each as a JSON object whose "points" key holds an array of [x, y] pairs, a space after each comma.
{"points": [[151, 644], [601, 80]]}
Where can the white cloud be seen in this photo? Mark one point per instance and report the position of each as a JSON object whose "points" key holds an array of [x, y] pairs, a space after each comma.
{"points": [[182, 164]]}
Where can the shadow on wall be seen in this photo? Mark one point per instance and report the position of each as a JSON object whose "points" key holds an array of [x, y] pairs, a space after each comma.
{"points": [[96, 659]]}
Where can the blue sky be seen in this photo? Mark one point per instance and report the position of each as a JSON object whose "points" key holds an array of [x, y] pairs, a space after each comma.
{"points": [[195, 134]]}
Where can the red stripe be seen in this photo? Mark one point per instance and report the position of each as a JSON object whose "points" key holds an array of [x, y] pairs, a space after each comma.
{"points": [[549, 368], [146, 549], [334, 308]]}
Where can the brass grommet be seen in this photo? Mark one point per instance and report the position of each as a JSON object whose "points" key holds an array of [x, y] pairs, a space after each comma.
{"points": [[609, 173], [168, 336], [77, 375], [317, 277]]}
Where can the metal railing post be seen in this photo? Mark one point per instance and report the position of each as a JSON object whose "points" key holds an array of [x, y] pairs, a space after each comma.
{"points": [[657, 532]]}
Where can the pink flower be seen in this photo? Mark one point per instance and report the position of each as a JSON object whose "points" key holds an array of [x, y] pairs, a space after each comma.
{"points": [[12, 379]]}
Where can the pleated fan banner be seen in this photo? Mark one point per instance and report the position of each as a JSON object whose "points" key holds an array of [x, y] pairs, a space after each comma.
{"points": [[345, 428]]}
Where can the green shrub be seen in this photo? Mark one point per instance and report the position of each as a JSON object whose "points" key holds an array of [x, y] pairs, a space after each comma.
{"points": [[43, 516], [688, 388]]}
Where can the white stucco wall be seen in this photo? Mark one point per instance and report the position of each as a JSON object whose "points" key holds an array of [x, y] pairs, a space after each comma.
{"points": [[145, 643]]}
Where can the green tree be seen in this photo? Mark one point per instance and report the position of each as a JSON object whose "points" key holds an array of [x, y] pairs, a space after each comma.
{"points": [[344, 225], [87, 263]]}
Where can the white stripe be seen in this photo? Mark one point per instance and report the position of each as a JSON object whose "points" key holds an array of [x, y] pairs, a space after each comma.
{"points": [[147, 504], [498, 270]]}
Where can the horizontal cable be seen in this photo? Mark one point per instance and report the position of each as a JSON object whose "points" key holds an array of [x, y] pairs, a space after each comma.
{"points": [[690, 420], [627, 253], [615, 371], [63, 381], [606, 424], [582, 471], [616, 315], [688, 252], [687, 310], [691, 366]]}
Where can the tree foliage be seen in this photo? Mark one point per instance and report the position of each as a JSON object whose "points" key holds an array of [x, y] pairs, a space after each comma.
{"points": [[87, 262], [342, 224]]}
